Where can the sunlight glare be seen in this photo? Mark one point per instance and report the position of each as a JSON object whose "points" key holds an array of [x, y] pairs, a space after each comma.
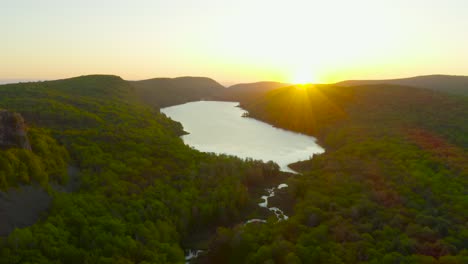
{"points": [[304, 77]]}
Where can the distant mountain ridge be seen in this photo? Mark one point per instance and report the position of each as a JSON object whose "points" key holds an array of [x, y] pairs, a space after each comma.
{"points": [[244, 92], [390, 187], [453, 84], [163, 92], [127, 156]]}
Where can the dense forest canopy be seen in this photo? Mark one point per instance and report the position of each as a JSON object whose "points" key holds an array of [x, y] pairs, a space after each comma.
{"points": [[390, 188], [142, 191], [452, 84], [248, 91], [163, 92]]}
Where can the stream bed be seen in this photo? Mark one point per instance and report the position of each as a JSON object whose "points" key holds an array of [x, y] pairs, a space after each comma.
{"points": [[220, 127]]}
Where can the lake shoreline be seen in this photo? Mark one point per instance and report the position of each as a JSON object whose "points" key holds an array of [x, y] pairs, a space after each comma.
{"points": [[206, 122], [219, 127]]}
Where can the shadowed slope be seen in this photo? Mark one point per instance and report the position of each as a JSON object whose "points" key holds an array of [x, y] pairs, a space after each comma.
{"points": [[390, 187], [162, 92], [142, 192], [302, 108], [246, 92], [443, 83]]}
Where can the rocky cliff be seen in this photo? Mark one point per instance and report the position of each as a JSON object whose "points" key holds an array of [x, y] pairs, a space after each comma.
{"points": [[13, 131]]}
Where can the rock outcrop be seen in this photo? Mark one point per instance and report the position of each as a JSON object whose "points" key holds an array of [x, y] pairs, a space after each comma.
{"points": [[13, 131]]}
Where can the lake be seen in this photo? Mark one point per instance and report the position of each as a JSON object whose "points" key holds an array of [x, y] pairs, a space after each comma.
{"points": [[220, 128]]}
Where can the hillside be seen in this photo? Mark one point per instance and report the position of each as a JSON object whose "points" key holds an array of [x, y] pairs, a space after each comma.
{"points": [[245, 92], [390, 187], [312, 108], [443, 83], [302, 108], [141, 191], [162, 92]]}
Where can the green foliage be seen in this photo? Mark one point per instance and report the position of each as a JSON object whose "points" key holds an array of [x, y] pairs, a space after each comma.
{"points": [[163, 92], [142, 191], [303, 108], [451, 84], [246, 92], [390, 188], [47, 161]]}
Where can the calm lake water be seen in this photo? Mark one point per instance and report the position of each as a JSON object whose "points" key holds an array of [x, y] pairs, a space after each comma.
{"points": [[220, 128]]}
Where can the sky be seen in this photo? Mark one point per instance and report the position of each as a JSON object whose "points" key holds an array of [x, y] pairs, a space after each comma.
{"points": [[233, 41]]}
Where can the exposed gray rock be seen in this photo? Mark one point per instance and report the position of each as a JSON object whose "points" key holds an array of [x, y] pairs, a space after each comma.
{"points": [[13, 131]]}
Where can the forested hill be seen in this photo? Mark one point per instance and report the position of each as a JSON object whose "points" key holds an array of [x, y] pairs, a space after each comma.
{"points": [[443, 83], [390, 188], [163, 92], [312, 108], [245, 92], [141, 192], [301, 108]]}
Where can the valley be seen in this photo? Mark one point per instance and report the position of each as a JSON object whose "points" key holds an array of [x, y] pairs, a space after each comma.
{"points": [[221, 128], [234, 132], [390, 186]]}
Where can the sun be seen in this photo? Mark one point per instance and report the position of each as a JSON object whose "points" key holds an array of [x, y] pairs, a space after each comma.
{"points": [[304, 77]]}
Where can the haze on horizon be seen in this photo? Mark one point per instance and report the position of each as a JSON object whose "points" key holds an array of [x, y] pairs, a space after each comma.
{"points": [[234, 41]]}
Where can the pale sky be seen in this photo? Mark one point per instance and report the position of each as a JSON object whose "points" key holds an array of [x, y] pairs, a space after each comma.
{"points": [[233, 41]]}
